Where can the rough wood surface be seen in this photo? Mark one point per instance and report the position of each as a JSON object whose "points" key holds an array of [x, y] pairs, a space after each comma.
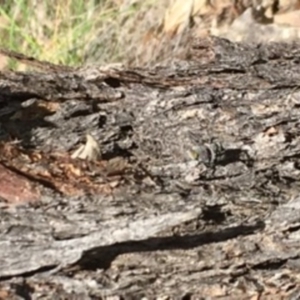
{"points": [[195, 192]]}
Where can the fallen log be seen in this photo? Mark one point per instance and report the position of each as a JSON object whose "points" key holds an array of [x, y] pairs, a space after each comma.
{"points": [[188, 185]]}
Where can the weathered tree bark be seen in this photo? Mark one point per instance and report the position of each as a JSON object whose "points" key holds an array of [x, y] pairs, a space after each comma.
{"points": [[196, 192]]}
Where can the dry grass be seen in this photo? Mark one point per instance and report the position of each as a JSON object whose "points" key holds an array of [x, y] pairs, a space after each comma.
{"points": [[75, 32]]}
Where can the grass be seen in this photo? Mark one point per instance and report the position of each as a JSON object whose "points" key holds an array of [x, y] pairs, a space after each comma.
{"points": [[76, 32]]}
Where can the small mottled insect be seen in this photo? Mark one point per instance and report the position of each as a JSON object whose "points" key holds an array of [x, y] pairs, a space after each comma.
{"points": [[206, 153]]}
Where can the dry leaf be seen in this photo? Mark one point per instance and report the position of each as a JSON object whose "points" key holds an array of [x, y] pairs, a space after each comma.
{"points": [[89, 151], [180, 12]]}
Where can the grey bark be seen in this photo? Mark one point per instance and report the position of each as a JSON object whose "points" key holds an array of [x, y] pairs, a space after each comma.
{"points": [[202, 157]]}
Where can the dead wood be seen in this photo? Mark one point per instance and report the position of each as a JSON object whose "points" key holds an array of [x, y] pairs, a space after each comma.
{"points": [[195, 192]]}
